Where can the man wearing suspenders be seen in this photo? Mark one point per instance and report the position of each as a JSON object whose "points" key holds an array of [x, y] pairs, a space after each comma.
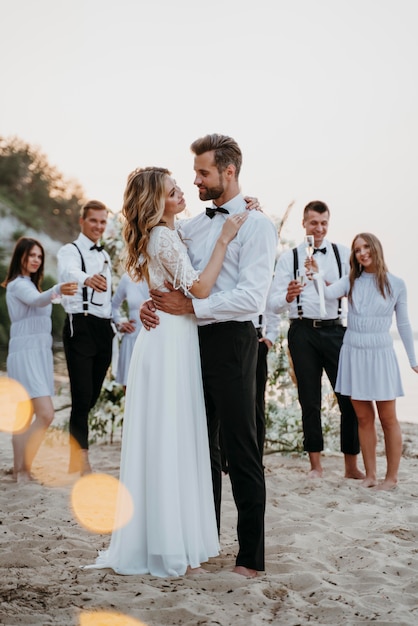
{"points": [[315, 342], [87, 333]]}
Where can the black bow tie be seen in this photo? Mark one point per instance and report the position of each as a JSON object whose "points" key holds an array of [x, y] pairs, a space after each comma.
{"points": [[96, 247], [210, 212], [323, 250]]}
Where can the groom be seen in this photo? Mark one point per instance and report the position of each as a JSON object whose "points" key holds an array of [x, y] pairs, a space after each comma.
{"points": [[227, 337]]}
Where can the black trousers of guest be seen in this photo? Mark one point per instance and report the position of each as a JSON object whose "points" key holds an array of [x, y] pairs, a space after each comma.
{"points": [[88, 353], [314, 350], [229, 357]]}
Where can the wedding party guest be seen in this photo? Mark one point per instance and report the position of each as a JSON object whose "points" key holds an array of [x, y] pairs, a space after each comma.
{"points": [[368, 369], [165, 461], [227, 337], [30, 359], [87, 333], [315, 341], [133, 294]]}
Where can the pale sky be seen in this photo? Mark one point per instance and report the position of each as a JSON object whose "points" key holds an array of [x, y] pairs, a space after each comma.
{"points": [[321, 95]]}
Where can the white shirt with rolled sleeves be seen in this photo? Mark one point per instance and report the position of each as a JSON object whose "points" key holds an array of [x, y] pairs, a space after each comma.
{"points": [[309, 298], [69, 269], [240, 291]]}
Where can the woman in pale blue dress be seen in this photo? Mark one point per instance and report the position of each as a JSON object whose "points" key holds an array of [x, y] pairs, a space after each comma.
{"points": [[368, 369], [165, 464], [29, 359], [134, 294]]}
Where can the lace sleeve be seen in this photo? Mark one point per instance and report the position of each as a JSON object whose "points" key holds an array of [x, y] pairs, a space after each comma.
{"points": [[173, 257]]}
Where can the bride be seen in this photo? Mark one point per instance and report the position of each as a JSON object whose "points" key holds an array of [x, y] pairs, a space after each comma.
{"points": [[165, 463]]}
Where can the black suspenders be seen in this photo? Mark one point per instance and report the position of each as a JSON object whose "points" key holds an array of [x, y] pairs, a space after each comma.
{"points": [[337, 256], [295, 271], [83, 269]]}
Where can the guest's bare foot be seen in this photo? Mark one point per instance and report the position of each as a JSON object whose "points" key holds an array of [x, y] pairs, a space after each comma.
{"points": [[369, 482], [386, 485], [85, 463], [351, 469], [24, 476], [315, 473], [315, 463], [245, 571], [195, 570], [357, 474]]}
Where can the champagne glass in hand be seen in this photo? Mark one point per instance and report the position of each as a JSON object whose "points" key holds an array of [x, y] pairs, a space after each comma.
{"points": [[300, 278], [72, 305], [309, 241]]}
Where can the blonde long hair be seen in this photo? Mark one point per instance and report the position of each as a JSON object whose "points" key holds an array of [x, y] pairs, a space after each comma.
{"points": [[143, 208], [376, 251]]}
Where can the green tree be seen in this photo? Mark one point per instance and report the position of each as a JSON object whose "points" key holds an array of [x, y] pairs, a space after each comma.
{"points": [[37, 192]]}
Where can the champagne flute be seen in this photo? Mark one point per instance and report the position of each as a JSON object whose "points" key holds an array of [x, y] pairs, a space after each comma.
{"points": [[300, 278], [309, 241], [73, 278]]}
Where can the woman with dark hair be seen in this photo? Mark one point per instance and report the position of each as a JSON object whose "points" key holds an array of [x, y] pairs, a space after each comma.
{"points": [[368, 370], [29, 359]]}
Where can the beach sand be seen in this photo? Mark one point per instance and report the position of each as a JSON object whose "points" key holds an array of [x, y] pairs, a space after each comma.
{"points": [[336, 553]]}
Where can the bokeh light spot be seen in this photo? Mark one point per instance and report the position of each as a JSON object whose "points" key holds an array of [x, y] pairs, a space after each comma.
{"points": [[50, 467], [16, 408], [94, 498], [107, 618]]}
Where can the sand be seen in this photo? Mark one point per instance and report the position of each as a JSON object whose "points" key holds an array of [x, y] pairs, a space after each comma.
{"points": [[336, 553]]}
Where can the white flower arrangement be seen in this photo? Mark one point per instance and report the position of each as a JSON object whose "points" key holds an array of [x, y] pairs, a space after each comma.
{"points": [[107, 414]]}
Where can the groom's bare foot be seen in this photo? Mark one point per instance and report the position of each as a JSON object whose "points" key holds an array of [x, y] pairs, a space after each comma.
{"points": [[245, 571]]}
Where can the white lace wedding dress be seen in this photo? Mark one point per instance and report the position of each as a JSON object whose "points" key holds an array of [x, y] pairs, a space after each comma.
{"points": [[165, 461]]}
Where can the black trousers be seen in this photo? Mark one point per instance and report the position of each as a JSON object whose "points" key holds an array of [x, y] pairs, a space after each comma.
{"points": [[260, 403], [229, 357], [88, 353], [314, 350]]}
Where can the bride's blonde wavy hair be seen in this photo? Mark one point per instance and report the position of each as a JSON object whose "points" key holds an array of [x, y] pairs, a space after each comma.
{"points": [[143, 208]]}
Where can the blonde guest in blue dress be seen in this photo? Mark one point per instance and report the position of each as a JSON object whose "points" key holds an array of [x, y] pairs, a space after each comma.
{"points": [[165, 463], [29, 359], [134, 294], [368, 369]]}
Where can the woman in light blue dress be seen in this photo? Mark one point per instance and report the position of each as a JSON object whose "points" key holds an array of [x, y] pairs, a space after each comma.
{"points": [[368, 369], [29, 359], [134, 294]]}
